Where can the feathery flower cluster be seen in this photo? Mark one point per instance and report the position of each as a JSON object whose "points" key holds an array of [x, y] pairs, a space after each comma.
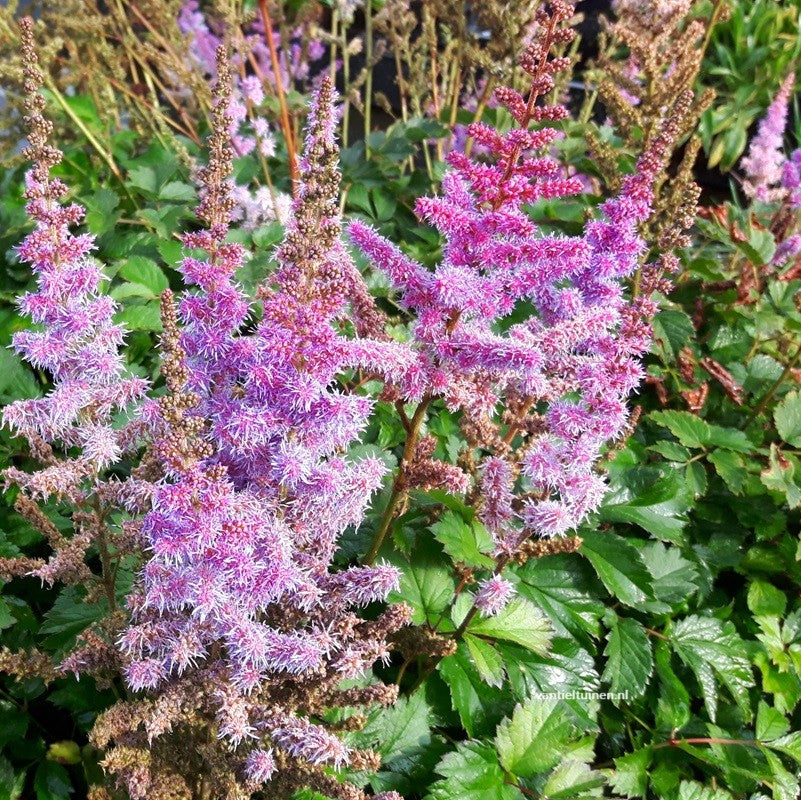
{"points": [[77, 342], [75, 338], [764, 163], [564, 374], [238, 590]]}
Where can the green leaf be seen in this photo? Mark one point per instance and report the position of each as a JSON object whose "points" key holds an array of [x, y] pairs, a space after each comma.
{"points": [[520, 622], [656, 499], [731, 467], [630, 660], [770, 723], [759, 248], [178, 192], [619, 566], [426, 582], [6, 617], [672, 330], [673, 705], [566, 668], [690, 790], [140, 317], [487, 659], [787, 416], [785, 785], [714, 652], [533, 740], [790, 745], [402, 729], [675, 579], [479, 706], [764, 599], [688, 428], [11, 783], [630, 775], [472, 772], [16, 380], [68, 617], [143, 178], [729, 439], [466, 543], [139, 269], [573, 779], [52, 782], [566, 590]]}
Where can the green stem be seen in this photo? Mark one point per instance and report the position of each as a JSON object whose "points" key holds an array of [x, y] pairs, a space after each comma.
{"points": [[399, 486], [368, 83], [762, 404]]}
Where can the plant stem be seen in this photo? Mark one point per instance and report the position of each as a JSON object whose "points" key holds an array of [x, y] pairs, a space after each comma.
{"points": [[399, 488], [762, 404], [368, 83]]}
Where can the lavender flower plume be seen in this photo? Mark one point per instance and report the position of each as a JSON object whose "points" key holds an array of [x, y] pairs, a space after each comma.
{"points": [[765, 159], [75, 340], [238, 592], [576, 359]]}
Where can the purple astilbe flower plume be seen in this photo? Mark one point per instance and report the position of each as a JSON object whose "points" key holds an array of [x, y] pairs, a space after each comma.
{"points": [[76, 341], [238, 593], [791, 179], [557, 383], [765, 159]]}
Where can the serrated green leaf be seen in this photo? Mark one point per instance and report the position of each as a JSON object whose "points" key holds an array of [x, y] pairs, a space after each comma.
{"points": [[573, 779], [764, 599], [177, 191], [566, 668], [52, 782], [402, 729], [520, 622], [656, 499], [789, 744], [770, 723], [672, 330], [673, 705], [487, 660], [688, 428], [714, 652], [426, 582], [675, 579], [480, 706], [139, 317], [466, 543], [787, 416], [630, 775], [565, 589], [785, 785], [731, 467], [6, 617], [472, 772], [619, 566], [534, 738], [690, 790], [138, 269], [629, 658]]}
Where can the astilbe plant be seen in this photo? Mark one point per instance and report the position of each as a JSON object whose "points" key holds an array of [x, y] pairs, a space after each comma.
{"points": [[239, 627], [77, 430], [537, 399]]}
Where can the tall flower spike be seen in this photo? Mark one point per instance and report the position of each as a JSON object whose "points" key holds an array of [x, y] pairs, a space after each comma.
{"points": [[75, 338], [765, 160], [238, 595], [576, 359]]}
